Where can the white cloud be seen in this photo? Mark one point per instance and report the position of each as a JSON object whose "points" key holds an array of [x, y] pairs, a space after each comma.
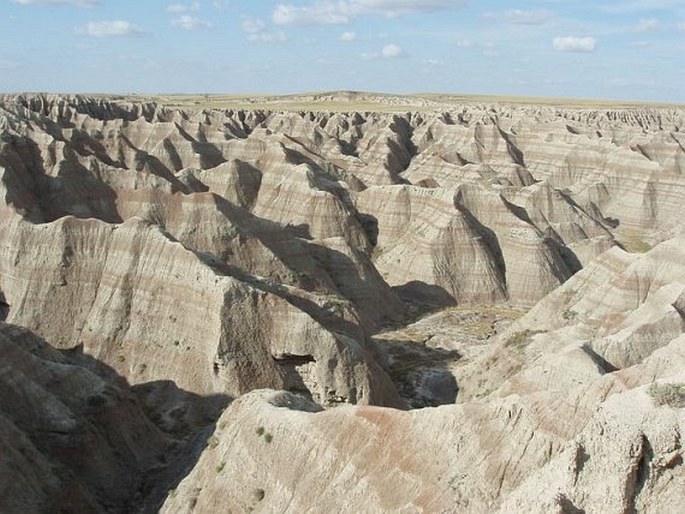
{"points": [[389, 51], [574, 44], [519, 17], [255, 29], [433, 62], [640, 44], [641, 5], [392, 51], [341, 12], [392, 8], [321, 13], [179, 8], [81, 3], [187, 22], [115, 28], [348, 36], [252, 25], [681, 26], [464, 43], [7, 65], [647, 25], [268, 37]]}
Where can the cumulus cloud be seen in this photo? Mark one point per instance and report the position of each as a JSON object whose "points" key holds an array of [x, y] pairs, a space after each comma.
{"points": [[252, 26], [520, 17], [392, 8], [574, 44], [389, 51], [341, 12], [187, 22], [82, 3], [321, 13], [392, 51], [256, 31], [180, 8], [114, 28], [268, 37], [348, 36]]}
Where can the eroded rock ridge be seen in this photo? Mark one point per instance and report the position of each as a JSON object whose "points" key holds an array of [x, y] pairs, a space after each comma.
{"points": [[178, 259]]}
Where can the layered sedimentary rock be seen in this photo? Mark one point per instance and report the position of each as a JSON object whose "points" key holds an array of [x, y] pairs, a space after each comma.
{"points": [[546, 421], [275, 258], [153, 310], [72, 438]]}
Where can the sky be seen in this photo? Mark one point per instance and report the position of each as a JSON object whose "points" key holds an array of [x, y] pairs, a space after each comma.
{"points": [[601, 49]]}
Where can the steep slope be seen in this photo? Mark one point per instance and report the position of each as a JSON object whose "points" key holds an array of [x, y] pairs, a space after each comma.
{"points": [[561, 429], [72, 439], [536, 179], [286, 259]]}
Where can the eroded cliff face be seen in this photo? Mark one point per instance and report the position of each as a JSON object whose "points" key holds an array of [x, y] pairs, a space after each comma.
{"points": [[200, 255], [73, 436], [546, 420]]}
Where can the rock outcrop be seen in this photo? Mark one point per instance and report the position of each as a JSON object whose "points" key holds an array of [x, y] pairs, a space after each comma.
{"points": [[73, 439], [544, 422], [234, 302]]}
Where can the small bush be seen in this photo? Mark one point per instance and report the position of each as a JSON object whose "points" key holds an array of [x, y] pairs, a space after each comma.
{"points": [[213, 442], [521, 339], [260, 431], [259, 494], [569, 315], [672, 395], [268, 438], [220, 467]]}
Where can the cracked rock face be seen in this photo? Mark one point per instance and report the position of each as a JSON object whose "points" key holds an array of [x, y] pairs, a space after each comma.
{"points": [[517, 267]]}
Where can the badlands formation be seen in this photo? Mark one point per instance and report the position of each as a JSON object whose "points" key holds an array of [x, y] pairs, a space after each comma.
{"points": [[341, 303]]}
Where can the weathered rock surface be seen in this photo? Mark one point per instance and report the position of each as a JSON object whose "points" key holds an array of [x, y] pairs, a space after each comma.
{"points": [[544, 423], [528, 194], [72, 439], [276, 257]]}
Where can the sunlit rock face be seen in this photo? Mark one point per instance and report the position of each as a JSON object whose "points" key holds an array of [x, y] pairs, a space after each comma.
{"points": [[327, 270]]}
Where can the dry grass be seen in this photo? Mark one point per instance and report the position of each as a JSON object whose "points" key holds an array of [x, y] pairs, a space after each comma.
{"points": [[672, 395], [522, 339], [634, 241]]}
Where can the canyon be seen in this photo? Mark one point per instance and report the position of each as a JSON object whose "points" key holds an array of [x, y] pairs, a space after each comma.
{"points": [[341, 302]]}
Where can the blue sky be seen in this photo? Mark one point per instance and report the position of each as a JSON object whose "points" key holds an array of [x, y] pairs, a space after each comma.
{"points": [[631, 49]]}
